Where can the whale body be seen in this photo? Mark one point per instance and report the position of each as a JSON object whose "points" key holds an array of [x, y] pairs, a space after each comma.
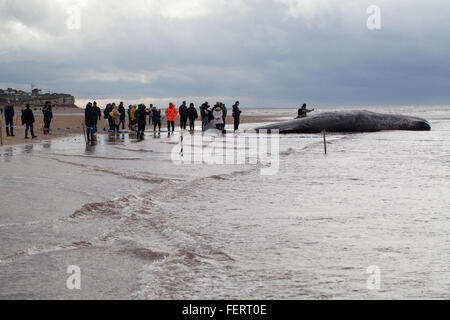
{"points": [[349, 121]]}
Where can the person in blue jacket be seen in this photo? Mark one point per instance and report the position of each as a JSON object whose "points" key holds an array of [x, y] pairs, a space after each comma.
{"points": [[156, 118], [48, 116], [9, 119]]}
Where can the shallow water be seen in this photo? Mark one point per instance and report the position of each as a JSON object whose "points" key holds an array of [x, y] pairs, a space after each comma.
{"points": [[139, 226]]}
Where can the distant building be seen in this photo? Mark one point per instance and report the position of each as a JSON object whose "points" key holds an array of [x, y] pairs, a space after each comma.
{"points": [[36, 92]]}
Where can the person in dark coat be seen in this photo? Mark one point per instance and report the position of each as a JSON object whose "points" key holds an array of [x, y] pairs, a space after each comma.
{"points": [[9, 119], [156, 118], [114, 118], [122, 112], [183, 115], [28, 120], [141, 117], [206, 114], [90, 119], [192, 115], [150, 110], [209, 112], [303, 112], [98, 112], [236, 115], [48, 116], [106, 117]]}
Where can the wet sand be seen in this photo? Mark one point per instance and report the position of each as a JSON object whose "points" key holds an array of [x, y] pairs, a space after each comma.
{"points": [[73, 118]]}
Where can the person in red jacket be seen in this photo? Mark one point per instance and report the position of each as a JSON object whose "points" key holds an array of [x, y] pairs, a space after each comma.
{"points": [[171, 114]]}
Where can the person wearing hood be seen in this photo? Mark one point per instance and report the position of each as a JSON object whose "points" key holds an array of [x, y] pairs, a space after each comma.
{"points": [[192, 115], [183, 111], [28, 120], [115, 116], [141, 117], [90, 120], [171, 114], [133, 122], [217, 113]]}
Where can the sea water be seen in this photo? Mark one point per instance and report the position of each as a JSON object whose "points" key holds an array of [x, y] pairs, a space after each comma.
{"points": [[140, 226]]}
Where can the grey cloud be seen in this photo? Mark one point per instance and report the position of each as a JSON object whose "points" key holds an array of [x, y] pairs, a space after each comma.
{"points": [[262, 50]]}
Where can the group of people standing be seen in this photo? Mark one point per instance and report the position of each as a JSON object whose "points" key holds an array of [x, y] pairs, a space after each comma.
{"points": [[115, 117], [27, 119], [218, 115]]}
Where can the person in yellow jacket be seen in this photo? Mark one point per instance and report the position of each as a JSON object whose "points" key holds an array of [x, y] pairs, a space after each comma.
{"points": [[171, 114], [133, 120]]}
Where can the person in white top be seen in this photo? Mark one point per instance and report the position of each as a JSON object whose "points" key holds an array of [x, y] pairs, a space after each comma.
{"points": [[218, 117]]}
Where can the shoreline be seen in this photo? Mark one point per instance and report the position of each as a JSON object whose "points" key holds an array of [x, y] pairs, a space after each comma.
{"points": [[67, 119]]}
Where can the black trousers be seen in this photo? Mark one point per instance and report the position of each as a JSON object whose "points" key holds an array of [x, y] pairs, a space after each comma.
{"points": [[237, 122], [9, 125], [171, 124], [183, 122], [156, 124], [141, 130]]}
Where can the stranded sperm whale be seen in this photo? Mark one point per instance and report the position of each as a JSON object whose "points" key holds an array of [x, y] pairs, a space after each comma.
{"points": [[349, 121]]}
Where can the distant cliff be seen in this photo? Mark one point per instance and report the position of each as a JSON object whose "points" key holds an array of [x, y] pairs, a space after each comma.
{"points": [[37, 101]]}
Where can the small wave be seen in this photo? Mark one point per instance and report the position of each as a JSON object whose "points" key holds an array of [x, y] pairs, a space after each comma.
{"points": [[136, 150], [148, 254], [231, 175], [107, 208], [94, 157], [288, 152], [149, 179], [33, 251], [218, 177], [32, 223]]}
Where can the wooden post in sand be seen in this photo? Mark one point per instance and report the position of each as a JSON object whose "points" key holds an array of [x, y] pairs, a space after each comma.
{"points": [[1, 131], [182, 145], [325, 140], [84, 133]]}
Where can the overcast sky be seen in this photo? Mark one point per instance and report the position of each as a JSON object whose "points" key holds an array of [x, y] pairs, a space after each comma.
{"points": [[268, 53]]}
